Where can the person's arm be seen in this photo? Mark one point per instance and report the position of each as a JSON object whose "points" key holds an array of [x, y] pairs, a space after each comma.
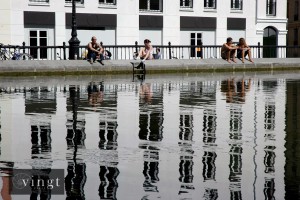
{"points": [[229, 47], [90, 47], [148, 54], [232, 47], [101, 49], [247, 47]]}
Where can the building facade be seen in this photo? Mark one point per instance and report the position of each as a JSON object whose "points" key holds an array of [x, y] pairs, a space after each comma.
{"points": [[293, 26], [181, 22]]}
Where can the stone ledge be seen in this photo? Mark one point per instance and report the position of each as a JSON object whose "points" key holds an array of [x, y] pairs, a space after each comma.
{"points": [[65, 67]]}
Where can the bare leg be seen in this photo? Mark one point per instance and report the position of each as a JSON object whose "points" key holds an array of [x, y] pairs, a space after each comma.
{"points": [[243, 55], [233, 56], [141, 53], [228, 56], [249, 55]]}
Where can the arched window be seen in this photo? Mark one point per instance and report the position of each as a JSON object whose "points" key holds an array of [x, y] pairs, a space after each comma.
{"points": [[270, 32]]}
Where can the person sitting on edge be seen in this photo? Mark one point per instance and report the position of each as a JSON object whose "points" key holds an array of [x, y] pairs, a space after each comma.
{"points": [[146, 52], [95, 51], [243, 50], [228, 50]]}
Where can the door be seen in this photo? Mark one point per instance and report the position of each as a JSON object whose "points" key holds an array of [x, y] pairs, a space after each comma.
{"points": [[38, 38], [196, 40], [270, 42]]}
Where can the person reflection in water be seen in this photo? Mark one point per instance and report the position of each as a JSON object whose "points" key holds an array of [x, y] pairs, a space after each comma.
{"points": [[235, 91], [146, 93], [95, 94]]}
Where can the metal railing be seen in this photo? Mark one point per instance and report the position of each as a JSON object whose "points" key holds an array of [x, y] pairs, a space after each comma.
{"points": [[39, 1], [126, 52]]}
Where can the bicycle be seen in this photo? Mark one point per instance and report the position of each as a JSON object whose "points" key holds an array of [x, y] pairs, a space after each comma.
{"points": [[4, 53], [15, 55]]}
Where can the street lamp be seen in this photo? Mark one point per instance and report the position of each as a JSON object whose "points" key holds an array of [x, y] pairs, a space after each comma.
{"points": [[73, 42]]}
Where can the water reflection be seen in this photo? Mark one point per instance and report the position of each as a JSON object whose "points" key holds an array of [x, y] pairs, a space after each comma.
{"points": [[76, 170], [150, 132], [95, 93], [235, 90], [185, 139]]}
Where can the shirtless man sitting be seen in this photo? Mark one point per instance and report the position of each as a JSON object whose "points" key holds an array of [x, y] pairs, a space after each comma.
{"points": [[95, 51], [228, 50]]}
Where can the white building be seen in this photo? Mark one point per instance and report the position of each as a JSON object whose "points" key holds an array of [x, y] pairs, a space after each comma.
{"points": [[181, 22]]}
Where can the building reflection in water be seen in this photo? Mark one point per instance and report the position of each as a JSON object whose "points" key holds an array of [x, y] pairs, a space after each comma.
{"points": [[292, 153], [40, 101], [188, 94], [269, 126], [76, 170], [210, 156], [209, 139], [108, 136], [151, 131], [235, 143], [235, 91], [186, 153], [40, 105], [236, 151]]}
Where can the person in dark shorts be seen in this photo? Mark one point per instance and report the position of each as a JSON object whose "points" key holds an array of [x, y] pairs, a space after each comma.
{"points": [[243, 50], [95, 51], [228, 50]]}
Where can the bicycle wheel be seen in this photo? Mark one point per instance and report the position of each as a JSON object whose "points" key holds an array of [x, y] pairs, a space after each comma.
{"points": [[3, 56], [25, 56]]}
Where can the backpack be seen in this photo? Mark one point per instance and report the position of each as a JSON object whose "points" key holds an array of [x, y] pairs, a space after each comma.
{"points": [[107, 54]]}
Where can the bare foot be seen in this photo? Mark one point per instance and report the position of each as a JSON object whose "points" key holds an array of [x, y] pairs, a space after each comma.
{"points": [[251, 61], [228, 61], [243, 61], [234, 60]]}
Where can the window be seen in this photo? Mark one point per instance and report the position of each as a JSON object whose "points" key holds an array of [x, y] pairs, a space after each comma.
{"points": [[210, 4], [76, 1], [186, 3], [296, 36], [38, 38], [236, 4], [108, 2], [271, 7], [196, 40], [296, 11], [151, 5]]}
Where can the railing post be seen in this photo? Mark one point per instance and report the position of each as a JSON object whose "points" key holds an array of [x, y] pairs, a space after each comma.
{"points": [[258, 49], [23, 44], [170, 53], [201, 49], [136, 46], [64, 50]]}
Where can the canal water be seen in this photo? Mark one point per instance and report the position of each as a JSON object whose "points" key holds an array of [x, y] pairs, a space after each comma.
{"points": [[197, 136]]}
